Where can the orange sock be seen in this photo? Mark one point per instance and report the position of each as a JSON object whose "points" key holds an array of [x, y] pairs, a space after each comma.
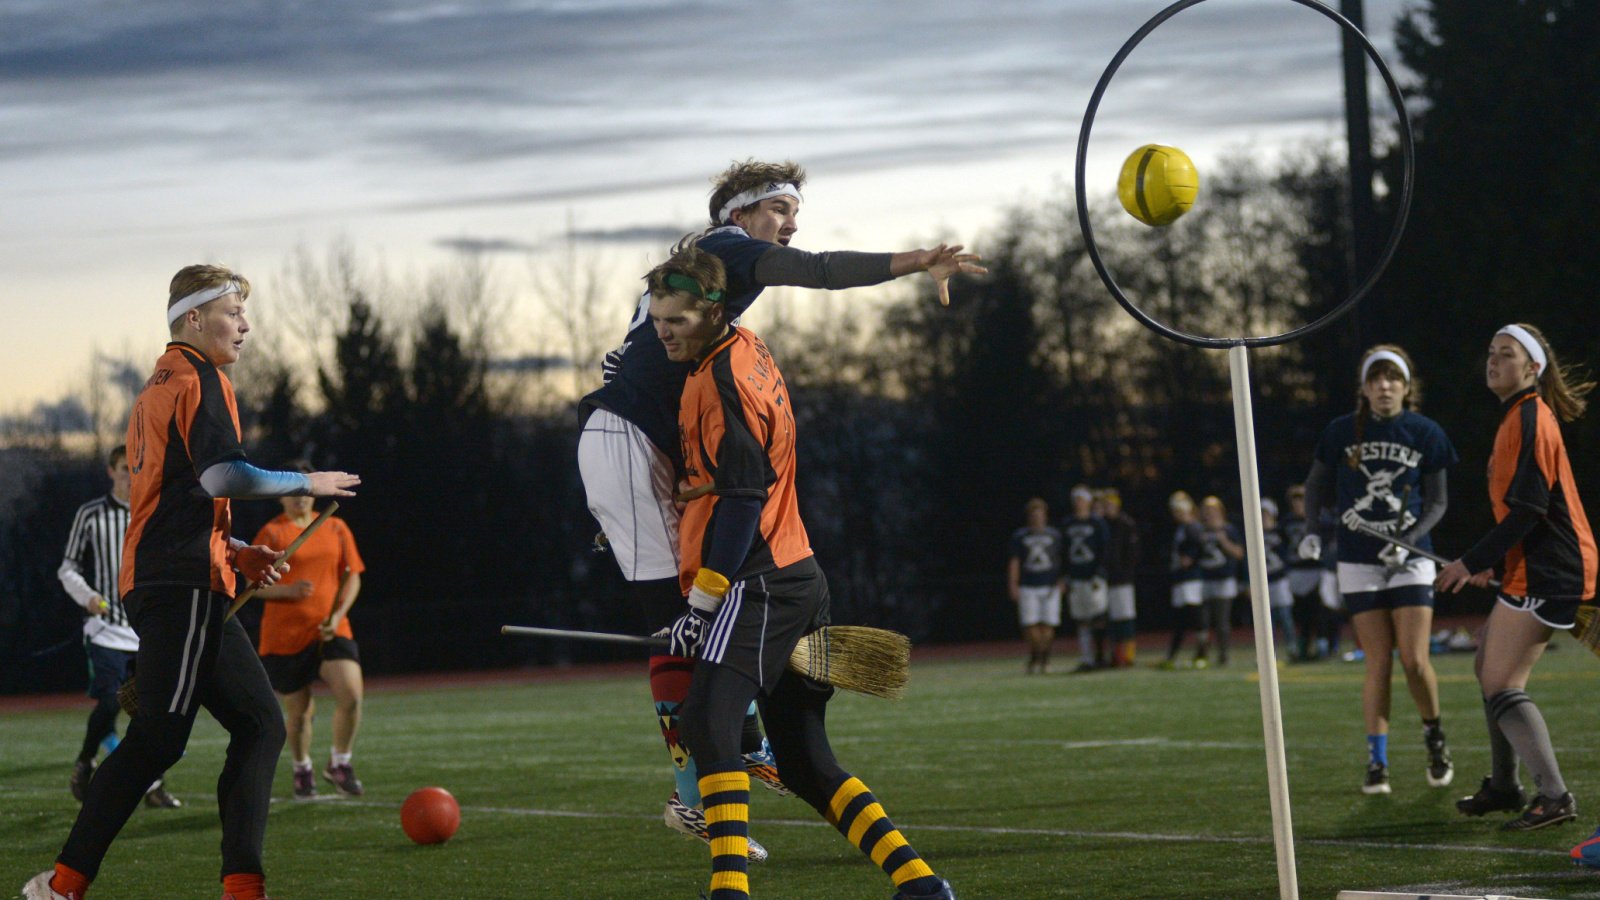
{"points": [[69, 882], [245, 887]]}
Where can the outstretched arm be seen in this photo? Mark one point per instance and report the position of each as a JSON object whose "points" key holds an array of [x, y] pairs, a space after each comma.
{"points": [[839, 269]]}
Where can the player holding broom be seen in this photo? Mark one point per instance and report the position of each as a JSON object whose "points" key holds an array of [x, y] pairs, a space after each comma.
{"points": [[177, 580], [628, 453], [754, 587], [1546, 553]]}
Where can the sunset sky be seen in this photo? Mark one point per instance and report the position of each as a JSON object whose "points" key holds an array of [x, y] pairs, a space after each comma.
{"points": [[136, 138]]}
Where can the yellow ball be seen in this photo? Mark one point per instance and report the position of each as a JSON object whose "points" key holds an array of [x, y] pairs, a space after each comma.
{"points": [[1158, 184]]}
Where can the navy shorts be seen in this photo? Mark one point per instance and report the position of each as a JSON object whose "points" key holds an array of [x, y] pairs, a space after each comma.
{"points": [[108, 669], [1389, 598], [292, 671]]}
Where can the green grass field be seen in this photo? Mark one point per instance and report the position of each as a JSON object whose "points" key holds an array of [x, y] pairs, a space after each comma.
{"points": [[1135, 784]]}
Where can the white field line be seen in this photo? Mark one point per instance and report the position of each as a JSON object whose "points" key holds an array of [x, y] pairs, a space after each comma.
{"points": [[914, 826]]}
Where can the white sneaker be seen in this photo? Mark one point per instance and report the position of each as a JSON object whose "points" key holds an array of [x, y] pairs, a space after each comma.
{"points": [[690, 821], [38, 887]]}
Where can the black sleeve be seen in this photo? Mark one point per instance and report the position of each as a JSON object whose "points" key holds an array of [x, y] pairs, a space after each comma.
{"points": [[734, 532], [1435, 498], [1501, 538], [1528, 488], [212, 437], [741, 459], [1316, 480], [833, 270]]}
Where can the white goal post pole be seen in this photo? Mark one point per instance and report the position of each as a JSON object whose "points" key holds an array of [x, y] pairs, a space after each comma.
{"points": [[1261, 614]]}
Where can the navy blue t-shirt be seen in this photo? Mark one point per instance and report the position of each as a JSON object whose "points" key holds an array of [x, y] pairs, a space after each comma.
{"points": [[1187, 542], [1086, 546], [644, 387], [1039, 553], [1384, 491]]}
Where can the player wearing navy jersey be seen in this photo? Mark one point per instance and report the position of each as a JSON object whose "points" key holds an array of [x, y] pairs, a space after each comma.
{"points": [[89, 571], [1545, 553], [1305, 578], [1122, 564], [1221, 549], [1280, 600], [1086, 536], [1034, 580], [177, 581], [628, 453], [1386, 464], [1188, 594]]}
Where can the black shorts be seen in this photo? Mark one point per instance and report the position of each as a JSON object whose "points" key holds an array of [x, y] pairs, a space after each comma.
{"points": [[108, 669], [763, 617], [290, 672], [1560, 614]]}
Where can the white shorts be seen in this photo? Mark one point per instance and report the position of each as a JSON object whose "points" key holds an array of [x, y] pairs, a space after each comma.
{"points": [[629, 484], [1086, 598], [1329, 589], [1188, 593], [1278, 593], [1220, 588], [1119, 603], [1362, 578], [1039, 605], [1304, 581]]}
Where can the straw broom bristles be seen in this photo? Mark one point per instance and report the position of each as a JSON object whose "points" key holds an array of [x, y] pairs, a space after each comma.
{"points": [[872, 661]]}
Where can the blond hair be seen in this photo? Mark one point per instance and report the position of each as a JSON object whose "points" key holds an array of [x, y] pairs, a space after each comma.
{"points": [[1562, 387], [199, 277], [743, 176], [689, 261]]}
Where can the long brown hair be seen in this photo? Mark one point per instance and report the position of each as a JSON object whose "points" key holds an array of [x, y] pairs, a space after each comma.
{"points": [[742, 176], [1364, 409], [1562, 387]]}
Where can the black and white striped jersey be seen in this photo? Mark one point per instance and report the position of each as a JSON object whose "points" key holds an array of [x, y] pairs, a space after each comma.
{"points": [[90, 566]]}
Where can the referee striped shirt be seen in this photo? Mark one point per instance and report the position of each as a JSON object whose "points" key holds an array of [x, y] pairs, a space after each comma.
{"points": [[91, 565]]}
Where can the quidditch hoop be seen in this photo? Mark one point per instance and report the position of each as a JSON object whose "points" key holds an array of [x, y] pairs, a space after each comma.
{"points": [[1404, 209]]}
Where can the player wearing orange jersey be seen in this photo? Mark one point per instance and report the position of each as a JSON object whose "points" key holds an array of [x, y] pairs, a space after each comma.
{"points": [[1546, 555], [177, 581], [305, 633], [754, 587]]}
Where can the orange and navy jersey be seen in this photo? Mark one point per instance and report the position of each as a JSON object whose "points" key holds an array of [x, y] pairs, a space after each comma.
{"points": [[184, 421], [289, 626], [1529, 469], [737, 431]]}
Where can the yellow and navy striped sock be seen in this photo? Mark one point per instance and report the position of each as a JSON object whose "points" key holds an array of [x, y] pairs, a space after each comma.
{"points": [[858, 816], [726, 796]]}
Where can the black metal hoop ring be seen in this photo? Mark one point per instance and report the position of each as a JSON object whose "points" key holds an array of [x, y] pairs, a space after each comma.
{"points": [[1404, 210]]}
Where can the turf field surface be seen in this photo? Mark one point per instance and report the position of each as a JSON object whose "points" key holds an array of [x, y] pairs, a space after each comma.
{"points": [[1121, 784]]}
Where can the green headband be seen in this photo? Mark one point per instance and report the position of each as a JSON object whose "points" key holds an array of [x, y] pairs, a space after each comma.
{"points": [[688, 285]]}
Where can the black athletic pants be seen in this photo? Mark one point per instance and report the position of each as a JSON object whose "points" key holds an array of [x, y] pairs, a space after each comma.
{"points": [[188, 658]]}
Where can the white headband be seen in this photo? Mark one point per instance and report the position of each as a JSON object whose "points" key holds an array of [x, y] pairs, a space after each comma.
{"points": [[756, 195], [201, 298], [1366, 364], [1528, 342]]}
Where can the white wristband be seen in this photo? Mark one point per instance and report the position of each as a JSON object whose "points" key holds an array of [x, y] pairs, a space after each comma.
{"points": [[704, 601]]}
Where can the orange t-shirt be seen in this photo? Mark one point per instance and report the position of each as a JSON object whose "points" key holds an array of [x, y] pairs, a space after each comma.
{"points": [[289, 626]]}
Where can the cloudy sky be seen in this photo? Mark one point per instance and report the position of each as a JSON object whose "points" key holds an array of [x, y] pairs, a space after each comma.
{"points": [[136, 138]]}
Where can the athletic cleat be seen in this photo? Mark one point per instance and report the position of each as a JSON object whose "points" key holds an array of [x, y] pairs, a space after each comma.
{"points": [[82, 771], [1588, 852], [38, 888], [305, 785], [1377, 781], [691, 822], [1490, 799], [158, 798], [763, 767], [344, 778], [1440, 770], [945, 892], [1544, 812]]}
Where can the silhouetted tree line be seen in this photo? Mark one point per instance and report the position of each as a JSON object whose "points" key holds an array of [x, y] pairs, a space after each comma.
{"points": [[924, 430]]}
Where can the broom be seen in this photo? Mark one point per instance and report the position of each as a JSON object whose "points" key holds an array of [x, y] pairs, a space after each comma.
{"points": [[128, 694], [871, 661]]}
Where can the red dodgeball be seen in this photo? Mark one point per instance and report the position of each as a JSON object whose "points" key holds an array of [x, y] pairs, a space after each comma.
{"points": [[430, 815]]}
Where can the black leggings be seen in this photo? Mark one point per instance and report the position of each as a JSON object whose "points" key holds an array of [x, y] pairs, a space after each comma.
{"points": [[102, 723], [188, 658], [794, 714]]}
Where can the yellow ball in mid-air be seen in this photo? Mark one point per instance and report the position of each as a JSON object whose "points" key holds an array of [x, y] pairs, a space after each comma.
{"points": [[1158, 184]]}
